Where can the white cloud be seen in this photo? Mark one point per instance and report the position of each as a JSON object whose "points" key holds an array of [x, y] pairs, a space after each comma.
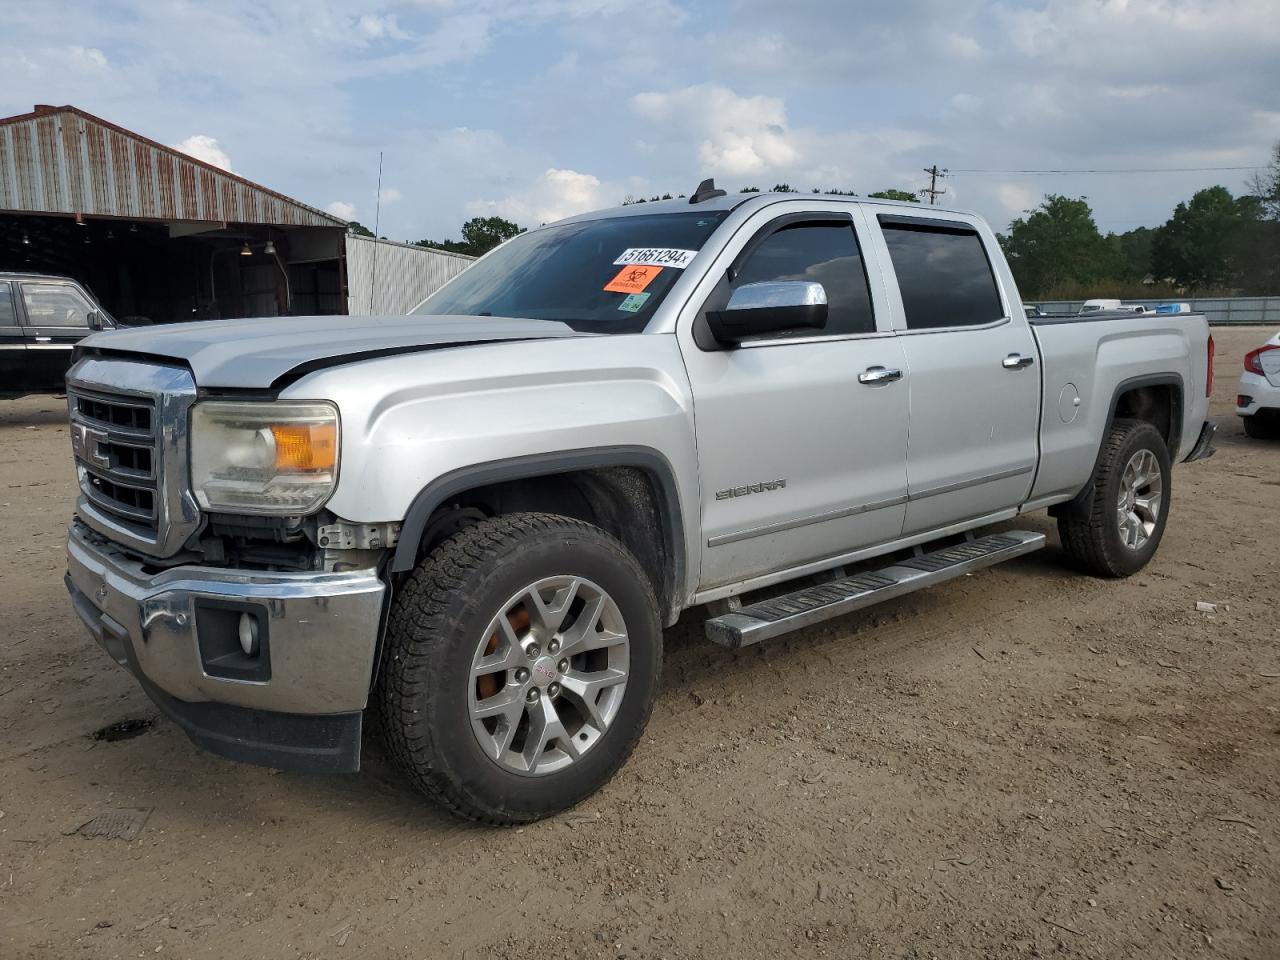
{"points": [[962, 46], [1017, 198], [555, 195], [206, 148], [739, 136], [390, 195], [380, 27], [341, 209], [88, 58], [751, 90]]}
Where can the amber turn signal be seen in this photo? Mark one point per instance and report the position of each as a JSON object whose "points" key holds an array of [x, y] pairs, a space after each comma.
{"points": [[305, 447]]}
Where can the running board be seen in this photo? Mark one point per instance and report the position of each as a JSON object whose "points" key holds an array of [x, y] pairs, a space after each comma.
{"points": [[803, 608]]}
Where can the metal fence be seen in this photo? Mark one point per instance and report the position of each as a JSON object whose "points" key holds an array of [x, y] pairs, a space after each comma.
{"points": [[1219, 311], [385, 278]]}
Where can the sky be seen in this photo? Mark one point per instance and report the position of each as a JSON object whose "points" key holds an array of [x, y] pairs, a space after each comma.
{"points": [[538, 109]]}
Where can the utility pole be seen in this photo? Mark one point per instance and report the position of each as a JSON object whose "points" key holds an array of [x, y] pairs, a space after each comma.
{"points": [[933, 190]]}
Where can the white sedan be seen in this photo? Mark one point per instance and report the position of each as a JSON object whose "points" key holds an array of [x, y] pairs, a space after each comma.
{"points": [[1258, 399]]}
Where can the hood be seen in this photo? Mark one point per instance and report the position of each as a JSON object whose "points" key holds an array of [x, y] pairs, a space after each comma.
{"points": [[256, 352]]}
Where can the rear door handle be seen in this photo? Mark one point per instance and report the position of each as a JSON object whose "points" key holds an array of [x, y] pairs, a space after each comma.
{"points": [[1016, 361], [877, 375]]}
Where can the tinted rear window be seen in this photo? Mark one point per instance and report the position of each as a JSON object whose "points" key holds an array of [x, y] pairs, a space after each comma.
{"points": [[944, 276]]}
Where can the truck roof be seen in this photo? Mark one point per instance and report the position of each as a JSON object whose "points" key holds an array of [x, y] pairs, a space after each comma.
{"points": [[24, 275], [733, 200]]}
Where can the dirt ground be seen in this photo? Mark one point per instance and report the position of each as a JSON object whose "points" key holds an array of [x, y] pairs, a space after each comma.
{"points": [[1024, 762]]}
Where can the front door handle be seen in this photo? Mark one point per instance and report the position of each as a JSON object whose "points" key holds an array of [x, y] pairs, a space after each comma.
{"points": [[878, 375], [1016, 361]]}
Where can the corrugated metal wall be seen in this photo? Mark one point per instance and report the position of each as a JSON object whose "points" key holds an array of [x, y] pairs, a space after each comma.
{"points": [[66, 161], [401, 277]]}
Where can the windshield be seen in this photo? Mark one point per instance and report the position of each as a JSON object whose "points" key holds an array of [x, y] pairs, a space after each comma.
{"points": [[597, 276]]}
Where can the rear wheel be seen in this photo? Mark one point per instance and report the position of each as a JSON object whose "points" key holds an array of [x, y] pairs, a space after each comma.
{"points": [[522, 662], [1129, 505], [1260, 426]]}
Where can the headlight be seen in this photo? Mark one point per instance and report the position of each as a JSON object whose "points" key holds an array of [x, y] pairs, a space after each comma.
{"points": [[277, 457]]}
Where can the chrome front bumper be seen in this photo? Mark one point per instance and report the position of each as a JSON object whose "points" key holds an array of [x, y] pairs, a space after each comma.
{"points": [[323, 634]]}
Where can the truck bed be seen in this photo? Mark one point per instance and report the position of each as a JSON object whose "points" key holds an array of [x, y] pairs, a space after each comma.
{"points": [[1088, 361]]}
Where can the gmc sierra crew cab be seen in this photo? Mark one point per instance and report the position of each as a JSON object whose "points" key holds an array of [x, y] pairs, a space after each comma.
{"points": [[471, 524]]}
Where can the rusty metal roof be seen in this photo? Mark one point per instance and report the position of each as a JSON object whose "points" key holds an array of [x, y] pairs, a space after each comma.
{"points": [[63, 160]]}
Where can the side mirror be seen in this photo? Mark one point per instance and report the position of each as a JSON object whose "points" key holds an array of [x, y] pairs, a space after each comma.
{"points": [[95, 320], [776, 306]]}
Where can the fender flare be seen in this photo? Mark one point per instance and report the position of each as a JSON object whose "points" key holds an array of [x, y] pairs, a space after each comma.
{"points": [[1078, 506], [439, 490]]}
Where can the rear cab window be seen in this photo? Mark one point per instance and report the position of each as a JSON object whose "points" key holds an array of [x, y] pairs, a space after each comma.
{"points": [[944, 274]]}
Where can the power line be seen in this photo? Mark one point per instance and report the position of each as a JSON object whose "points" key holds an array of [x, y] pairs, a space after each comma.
{"points": [[1113, 170]]}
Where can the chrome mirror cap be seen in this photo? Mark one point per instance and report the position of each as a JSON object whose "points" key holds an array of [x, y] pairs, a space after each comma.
{"points": [[777, 293]]}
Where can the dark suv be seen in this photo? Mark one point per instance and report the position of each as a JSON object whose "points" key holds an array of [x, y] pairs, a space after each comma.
{"points": [[42, 318]]}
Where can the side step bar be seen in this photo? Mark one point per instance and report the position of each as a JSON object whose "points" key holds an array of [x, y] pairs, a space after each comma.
{"points": [[803, 608]]}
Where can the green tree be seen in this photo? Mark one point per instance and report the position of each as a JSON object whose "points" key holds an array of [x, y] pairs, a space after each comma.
{"points": [[358, 228], [1057, 243], [1266, 185], [894, 194], [1203, 243], [1130, 254], [482, 234], [479, 236]]}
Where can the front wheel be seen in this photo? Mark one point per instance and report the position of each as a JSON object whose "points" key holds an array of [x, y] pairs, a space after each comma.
{"points": [[522, 660], [1129, 506]]}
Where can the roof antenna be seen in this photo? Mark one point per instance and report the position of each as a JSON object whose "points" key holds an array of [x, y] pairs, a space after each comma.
{"points": [[377, 219], [706, 191]]}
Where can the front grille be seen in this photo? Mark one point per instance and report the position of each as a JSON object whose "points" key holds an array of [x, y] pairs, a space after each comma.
{"points": [[129, 423], [116, 448], [128, 414]]}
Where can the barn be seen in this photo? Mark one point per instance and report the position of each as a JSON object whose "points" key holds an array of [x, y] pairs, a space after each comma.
{"points": [[160, 236]]}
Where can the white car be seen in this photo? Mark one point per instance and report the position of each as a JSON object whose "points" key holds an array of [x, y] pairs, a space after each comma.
{"points": [[1258, 400], [1104, 305]]}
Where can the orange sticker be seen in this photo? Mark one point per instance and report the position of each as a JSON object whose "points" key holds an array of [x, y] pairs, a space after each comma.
{"points": [[632, 279]]}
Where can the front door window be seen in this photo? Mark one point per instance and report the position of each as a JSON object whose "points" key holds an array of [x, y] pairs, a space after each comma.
{"points": [[55, 305]]}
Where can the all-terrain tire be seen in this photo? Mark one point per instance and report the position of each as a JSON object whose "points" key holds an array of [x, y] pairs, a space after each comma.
{"points": [[436, 624], [1095, 541]]}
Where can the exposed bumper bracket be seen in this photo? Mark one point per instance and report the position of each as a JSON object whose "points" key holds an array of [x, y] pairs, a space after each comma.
{"points": [[1204, 448]]}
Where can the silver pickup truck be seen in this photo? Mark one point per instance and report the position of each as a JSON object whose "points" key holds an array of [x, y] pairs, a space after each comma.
{"points": [[471, 524]]}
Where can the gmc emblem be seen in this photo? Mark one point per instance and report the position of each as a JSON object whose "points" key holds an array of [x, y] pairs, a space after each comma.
{"points": [[86, 443]]}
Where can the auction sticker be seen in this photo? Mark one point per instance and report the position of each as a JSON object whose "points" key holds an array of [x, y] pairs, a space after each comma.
{"points": [[656, 257], [632, 279]]}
